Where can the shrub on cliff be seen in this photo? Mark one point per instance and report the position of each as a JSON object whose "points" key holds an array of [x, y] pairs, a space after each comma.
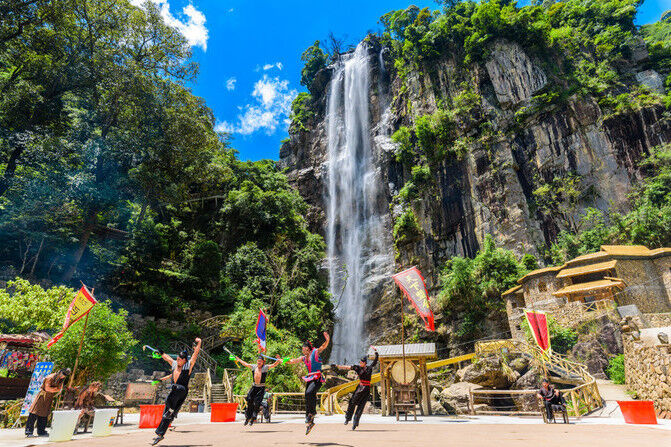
{"points": [[406, 228], [315, 59], [471, 288]]}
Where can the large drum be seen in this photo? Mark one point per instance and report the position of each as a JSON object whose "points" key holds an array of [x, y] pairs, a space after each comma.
{"points": [[398, 375]]}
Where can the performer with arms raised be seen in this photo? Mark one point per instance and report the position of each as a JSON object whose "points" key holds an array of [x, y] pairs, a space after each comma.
{"points": [[362, 393], [181, 374], [313, 380]]}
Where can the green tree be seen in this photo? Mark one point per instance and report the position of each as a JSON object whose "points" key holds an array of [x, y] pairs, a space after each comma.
{"points": [[315, 59], [470, 289], [25, 307], [106, 348]]}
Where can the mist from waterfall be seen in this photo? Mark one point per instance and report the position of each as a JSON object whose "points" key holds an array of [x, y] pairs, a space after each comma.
{"points": [[360, 257]]}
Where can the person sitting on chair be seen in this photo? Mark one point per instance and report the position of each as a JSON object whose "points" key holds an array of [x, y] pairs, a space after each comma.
{"points": [[86, 402], [550, 396]]}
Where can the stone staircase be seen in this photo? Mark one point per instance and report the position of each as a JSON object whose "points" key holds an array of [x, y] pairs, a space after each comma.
{"points": [[218, 393]]}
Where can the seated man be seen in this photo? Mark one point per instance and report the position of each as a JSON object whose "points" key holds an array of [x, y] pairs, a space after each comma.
{"points": [[265, 405], [550, 396]]}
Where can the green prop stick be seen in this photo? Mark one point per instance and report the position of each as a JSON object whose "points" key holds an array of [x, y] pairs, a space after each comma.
{"points": [[231, 356], [155, 352]]}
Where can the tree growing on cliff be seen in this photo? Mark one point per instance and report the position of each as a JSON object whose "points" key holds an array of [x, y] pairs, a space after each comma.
{"points": [[470, 289], [315, 59]]}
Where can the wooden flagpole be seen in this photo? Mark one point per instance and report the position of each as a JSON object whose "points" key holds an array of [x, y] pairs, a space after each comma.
{"points": [[403, 338], [81, 342], [79, 351]]}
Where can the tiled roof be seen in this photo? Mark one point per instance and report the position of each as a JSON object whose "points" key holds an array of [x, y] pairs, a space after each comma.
{"points": [[588, 257], [626, 250], [586, 269], [591, 286], [512, 290], [24, 339], [539, 272], [411, 350]]}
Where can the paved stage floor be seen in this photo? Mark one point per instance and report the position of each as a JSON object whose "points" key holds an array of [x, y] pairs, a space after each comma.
{"points": [[193, 430]]}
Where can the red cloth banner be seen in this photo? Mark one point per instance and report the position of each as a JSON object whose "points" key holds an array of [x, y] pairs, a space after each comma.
{"points": [[79, 307], [411, 282], [538, 323]]}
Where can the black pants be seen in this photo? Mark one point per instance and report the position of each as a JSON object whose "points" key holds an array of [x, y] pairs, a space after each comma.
{"points": [[172, 405], [357, 403], [311, 389], [254, 398], [41, 424], [265, 406], [556, 400]]}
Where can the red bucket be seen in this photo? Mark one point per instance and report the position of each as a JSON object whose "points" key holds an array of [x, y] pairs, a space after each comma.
{"points": [[150, 415], [638, 411], [223, 412]]}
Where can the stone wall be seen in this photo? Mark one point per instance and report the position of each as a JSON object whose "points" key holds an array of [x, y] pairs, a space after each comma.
{"points": [[658, 320], [137, 323], [647, 366], [647, 289], [539, 290], [116, 386]]}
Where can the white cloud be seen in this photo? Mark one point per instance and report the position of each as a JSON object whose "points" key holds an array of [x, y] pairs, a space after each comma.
{"points": [[269, 110], [230, 83], [190, 22], [267, 67]]}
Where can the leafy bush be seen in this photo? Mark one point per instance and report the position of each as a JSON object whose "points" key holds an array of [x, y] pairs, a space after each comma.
{"points": [[471, 288], [615, 369], [106, 349], [404, 153], [25, 307], [301, 110], [406, 227], [315, 59], [562, 339]]}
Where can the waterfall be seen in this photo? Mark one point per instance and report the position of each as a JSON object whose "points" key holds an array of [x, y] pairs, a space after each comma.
{"points": [[359, 252]]}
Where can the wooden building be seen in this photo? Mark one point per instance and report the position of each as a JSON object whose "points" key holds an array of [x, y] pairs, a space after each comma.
{"points": [[392, 373]]}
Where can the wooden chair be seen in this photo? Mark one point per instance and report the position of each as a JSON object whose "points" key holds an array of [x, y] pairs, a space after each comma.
{"points": [[405, 400], [556, 409]]}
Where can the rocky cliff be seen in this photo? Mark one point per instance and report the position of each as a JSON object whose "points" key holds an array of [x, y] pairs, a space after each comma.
{"points": [[514, 140]]}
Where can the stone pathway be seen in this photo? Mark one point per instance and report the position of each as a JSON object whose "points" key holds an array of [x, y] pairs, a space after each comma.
{"points": [[611, 393]]}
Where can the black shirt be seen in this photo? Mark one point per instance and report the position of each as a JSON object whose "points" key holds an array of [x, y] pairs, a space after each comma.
{"points": [[367, 371], [547, 393]]}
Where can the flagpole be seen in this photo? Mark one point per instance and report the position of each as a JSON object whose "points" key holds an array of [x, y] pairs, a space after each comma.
{"points": [[79, 351], [403, 338]]}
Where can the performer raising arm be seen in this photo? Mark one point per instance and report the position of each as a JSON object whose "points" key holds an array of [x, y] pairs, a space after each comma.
{"points": [[258, 389], [313, 380], [362, 393], [181, 374]]}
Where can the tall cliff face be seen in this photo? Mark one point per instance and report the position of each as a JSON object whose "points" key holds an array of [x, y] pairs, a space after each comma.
{"points": [[488, 190]]}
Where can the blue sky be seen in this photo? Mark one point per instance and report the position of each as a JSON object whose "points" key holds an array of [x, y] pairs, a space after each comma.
{"points": [[249, 54]]}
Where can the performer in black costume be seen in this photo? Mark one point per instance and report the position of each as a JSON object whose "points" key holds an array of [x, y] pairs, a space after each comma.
{"points": [[258, 389], [362, 393], [181, 374]]}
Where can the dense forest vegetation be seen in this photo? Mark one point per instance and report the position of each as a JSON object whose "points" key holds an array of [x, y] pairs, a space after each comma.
{"points": [[113, 174], [589, 50]]}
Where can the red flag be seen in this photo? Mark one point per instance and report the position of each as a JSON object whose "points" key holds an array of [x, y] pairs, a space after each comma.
{"points": [[538, 323], [79, 307], [412, 284]]}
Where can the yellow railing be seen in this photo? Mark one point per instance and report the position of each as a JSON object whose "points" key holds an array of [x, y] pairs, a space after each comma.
{"points": [[207, 390], [330, 402], [583, 398]]}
